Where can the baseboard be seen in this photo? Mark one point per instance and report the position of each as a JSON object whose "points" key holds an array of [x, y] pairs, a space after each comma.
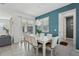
{"points": [[77, 50]]}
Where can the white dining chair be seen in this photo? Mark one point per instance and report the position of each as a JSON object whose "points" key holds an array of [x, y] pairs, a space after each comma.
{"points": [[27, 41], [42, 34], [34, 43], [49, 36], [52, 45]]}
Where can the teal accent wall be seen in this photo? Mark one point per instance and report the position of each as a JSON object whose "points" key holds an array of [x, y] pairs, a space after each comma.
{"points": [[53, 20]]}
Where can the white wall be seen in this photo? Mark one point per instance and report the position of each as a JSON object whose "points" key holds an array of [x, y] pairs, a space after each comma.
{"points": [[4, 14]]}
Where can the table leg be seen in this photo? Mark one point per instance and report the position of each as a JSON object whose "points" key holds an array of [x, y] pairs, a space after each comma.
{"points": [[44, 49]]}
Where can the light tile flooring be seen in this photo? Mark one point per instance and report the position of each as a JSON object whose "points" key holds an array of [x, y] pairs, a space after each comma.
{"points": [[20, 50]]}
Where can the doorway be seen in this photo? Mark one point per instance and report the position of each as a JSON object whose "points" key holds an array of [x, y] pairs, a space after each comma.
{"points": [[67, 26], [69, 30]]}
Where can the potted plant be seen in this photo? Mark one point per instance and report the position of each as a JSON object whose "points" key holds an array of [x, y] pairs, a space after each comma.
{"points": [[6, 29], [38, 31]]}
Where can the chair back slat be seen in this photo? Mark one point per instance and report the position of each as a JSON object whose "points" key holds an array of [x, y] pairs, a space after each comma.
{"points": [[33, 41]]}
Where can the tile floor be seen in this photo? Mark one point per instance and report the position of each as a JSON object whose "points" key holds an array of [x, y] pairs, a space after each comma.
{"points": [[20, 50]]}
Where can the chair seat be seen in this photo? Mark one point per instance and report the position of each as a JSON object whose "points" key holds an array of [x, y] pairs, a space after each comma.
{"points": [[39, 45], [48, 45]]}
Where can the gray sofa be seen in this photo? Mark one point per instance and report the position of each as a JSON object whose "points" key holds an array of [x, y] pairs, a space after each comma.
{"points": [[5, 40]]}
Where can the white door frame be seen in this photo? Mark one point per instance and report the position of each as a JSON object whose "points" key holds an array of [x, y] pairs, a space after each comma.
{"points": [[61, 24]]}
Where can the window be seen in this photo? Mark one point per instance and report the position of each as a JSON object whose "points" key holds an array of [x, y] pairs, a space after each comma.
{"points": [[44, 27]]}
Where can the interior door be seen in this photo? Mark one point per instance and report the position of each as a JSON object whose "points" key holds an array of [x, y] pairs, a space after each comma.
{"points": [[69, 27]]}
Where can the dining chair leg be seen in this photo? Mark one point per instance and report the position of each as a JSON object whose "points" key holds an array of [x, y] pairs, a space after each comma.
{"points": [[51, 52], [33, 51], [25, 47], [28, 46], [36, 51], [44, 49]]}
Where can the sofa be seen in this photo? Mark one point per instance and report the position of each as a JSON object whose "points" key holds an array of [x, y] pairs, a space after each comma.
{"points": [[5, 40]]}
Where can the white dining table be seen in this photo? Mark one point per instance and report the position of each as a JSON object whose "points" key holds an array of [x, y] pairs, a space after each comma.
{"points": [[43, 40]]}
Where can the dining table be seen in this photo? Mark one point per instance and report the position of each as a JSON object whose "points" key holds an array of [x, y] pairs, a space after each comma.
{"points": [[43, 40]]}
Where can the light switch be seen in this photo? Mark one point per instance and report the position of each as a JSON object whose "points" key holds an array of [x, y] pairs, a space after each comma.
{"points": [[55, 30]]}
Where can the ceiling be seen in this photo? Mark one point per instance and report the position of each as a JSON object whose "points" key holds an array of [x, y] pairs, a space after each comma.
{"points": [[34, 9]]}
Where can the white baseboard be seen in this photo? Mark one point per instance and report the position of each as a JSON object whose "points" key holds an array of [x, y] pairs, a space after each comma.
{"points": [[77, 50]]}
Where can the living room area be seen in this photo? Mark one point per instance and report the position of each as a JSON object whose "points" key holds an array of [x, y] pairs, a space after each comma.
{"points": [[39, 29]]}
